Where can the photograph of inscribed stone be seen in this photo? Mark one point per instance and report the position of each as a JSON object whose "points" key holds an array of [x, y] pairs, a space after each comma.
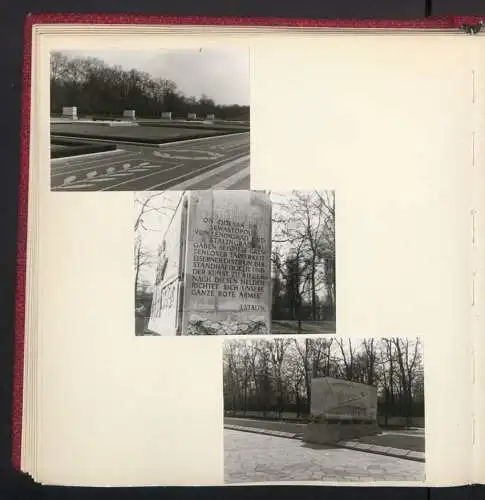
{"points": [[227, 287], [234, 262], [150, 119], [323, 409]]}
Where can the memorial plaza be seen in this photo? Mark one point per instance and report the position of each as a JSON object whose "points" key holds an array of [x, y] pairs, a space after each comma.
{"points": [[323, 410], [254, 457]]}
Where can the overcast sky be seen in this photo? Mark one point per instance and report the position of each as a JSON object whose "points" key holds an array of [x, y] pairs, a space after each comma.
{"points": [[221, 73]]}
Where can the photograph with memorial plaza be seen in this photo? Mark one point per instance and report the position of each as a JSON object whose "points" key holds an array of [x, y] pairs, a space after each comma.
{"points": [[145, 120], [323, 409], [234, 262]]}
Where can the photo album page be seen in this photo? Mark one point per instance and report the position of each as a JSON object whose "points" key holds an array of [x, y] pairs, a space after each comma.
{"points": [[295, 205]]}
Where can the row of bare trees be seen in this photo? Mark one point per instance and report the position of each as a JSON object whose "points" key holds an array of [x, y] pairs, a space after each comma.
{"points": [[102, 90], [272, 378], [303, 256]]}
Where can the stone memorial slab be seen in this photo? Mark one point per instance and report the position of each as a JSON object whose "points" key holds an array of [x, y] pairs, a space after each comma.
{"points": [[341, 410], [166, 115], [192, 116], [166, 310], [333, 398], [130, 114], [227, 289]]}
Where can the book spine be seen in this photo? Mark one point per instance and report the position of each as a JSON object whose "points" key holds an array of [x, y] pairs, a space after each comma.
{"points": [[21, 271]]}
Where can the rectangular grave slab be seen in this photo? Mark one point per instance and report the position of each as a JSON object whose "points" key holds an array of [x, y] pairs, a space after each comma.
{"points": [[129, 114], [69, 112]]}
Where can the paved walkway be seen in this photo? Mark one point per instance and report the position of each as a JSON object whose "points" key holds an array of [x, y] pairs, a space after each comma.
{"points": [[407, 444], [251, 457]]}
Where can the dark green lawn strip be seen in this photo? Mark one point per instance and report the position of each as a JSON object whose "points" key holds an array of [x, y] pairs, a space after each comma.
{"points": [[66, 151]]}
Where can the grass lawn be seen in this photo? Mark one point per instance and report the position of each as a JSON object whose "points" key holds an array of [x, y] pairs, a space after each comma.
{"points": [[63, 148], [401, 440], [236, 127], [142, 133]]}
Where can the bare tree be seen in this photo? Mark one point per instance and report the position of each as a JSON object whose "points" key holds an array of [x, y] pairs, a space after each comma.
{"points": [[407, 358], [306, 224], [142, 257], [277, 350]]}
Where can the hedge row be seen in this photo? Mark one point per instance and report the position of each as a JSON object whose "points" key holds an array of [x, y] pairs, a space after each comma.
{"points": [[192, 125], [139, 140], [82, 149]]}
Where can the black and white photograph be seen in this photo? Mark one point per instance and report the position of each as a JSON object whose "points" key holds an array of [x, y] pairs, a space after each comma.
{"points": [[234, 262], [323, 409], [146, 120]]}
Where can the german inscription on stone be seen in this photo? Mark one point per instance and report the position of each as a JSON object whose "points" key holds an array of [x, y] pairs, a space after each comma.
{"points": [[227, 266]]}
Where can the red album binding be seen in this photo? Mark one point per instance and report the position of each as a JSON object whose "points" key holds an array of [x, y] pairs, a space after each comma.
{"points": [[467, 24]]}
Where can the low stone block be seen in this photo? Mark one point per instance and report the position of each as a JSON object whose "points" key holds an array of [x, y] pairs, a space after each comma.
{"points": [[130, 114], [332, 433], [69, 112]]}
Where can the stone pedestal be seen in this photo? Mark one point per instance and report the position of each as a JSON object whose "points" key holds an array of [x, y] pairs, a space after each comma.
{"points": [[69, 112], [166, 115], [332, 432]]}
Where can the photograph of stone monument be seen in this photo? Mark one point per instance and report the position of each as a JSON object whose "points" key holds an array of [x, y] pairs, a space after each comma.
{"points": [[157, 119], [323, 409], [234, 262]]}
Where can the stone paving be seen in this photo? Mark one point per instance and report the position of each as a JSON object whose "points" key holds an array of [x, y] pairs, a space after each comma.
{"points": [[251, 457], [354, 444]]}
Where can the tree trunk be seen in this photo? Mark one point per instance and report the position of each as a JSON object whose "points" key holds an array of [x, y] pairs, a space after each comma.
{"points": [[314, 293]]}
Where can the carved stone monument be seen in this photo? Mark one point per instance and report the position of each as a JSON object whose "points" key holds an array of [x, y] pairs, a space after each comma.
{"points": [[210, 117], [69, 112], [166, 115], [228, 263], [166, 310], [192, 116], [341, 410], [214, 274]]}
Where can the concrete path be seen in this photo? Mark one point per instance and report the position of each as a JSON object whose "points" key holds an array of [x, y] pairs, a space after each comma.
{"points": [[254, 457], [400, 444]]}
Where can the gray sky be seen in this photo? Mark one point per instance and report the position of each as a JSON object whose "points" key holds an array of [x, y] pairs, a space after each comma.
{"points": [[221, 73]]}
